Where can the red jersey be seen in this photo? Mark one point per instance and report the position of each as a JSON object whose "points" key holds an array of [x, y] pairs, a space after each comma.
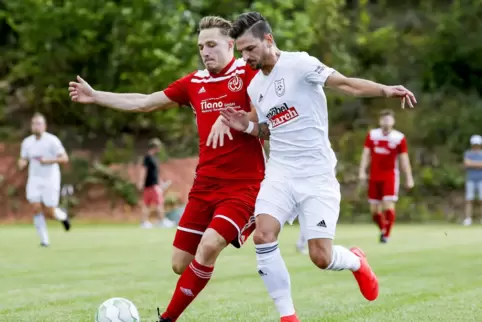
{"points": [[384, 151], [207, 93]]}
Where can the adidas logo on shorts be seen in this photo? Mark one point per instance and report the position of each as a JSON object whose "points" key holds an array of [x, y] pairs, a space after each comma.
{"points": [[321, 224]]}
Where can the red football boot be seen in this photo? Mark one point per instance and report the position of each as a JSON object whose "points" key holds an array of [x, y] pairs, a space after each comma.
{"points": [[290, 318], [366, 278]]}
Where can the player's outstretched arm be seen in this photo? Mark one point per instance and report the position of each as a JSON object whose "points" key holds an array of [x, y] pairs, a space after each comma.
{"points": [[364, 88], [82, 92]]}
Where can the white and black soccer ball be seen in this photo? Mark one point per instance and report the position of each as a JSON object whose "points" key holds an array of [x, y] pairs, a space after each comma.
{"points": [[117, 309]]}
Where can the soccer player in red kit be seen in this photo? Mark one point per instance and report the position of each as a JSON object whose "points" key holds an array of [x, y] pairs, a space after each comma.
{"points": [[221, 202], [382, 148]]}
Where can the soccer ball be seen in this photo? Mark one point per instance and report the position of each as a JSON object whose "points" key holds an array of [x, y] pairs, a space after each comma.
{"points": [[117, 309]]}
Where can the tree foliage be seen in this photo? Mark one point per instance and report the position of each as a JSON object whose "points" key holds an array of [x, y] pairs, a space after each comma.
{"points": [[432, 47]]}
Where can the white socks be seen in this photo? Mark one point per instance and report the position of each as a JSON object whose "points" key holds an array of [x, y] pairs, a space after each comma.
{"points": [[343, 259], [41, 225], [273, 271]]}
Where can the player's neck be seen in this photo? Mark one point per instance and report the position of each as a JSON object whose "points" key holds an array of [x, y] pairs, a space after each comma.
{"points": [[224, 67], [386, 132], [38, 136], [271, 60]]}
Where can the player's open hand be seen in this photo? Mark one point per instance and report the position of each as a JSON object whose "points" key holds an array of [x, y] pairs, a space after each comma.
{"points": [[81, 91], [401, 92], [235, 119], [218, 131]]}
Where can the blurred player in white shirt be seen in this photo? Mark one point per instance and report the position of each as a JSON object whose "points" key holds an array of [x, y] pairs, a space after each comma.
{"points": [[43, 152], [300, 175]]}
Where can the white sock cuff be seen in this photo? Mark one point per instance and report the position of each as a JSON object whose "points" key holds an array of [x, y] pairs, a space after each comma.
{"points": [[266, 248]]}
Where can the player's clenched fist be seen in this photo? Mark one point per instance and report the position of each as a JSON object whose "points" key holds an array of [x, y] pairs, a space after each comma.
{"points": [[81, 91]]}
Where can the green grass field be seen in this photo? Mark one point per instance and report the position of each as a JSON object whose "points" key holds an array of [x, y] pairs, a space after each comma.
{"points": [[427, 273]]}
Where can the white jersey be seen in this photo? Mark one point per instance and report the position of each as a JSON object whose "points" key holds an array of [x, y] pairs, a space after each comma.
{"points": [[292, 101], [48, 146]]}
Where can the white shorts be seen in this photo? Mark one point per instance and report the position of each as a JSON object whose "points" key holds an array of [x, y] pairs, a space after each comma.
{"points": [[315, 200], [43, 192]]}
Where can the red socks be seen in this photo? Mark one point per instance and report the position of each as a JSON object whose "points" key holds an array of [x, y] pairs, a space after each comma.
{"points": [[189, 285], [379, 220], [390, 219]]}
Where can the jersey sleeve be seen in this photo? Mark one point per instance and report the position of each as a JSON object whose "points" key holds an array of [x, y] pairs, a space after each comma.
{"points": [[402, 147], [368, 141], [57, 146], [179, 90], [314, 71], [145, 161]]}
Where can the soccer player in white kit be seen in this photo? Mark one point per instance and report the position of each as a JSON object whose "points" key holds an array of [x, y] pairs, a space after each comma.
{"points": [[43, 152], [300, 175]]}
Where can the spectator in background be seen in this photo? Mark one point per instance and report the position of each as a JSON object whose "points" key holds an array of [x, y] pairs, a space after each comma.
{"points": [[149, 183], [473, 182]]}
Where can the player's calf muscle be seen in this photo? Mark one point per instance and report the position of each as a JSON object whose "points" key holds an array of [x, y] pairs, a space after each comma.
{"points": [[321, 252]]}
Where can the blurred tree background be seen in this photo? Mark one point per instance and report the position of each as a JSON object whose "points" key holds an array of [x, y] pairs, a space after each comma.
{"points": [[432, 47]]}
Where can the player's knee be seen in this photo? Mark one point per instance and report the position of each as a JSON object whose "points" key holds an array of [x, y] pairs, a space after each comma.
{"points": [[178, 267], [375, 208], [264, 236], [388, 204], [180, 260], [210, 246], [37, 208], [267, 229]]}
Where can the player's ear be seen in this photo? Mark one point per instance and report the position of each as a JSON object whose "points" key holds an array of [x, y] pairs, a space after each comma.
{"points": [[231, 44], [269, 39]]}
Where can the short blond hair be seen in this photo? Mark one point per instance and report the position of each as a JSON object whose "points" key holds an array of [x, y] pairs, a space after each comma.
{"points": [[210, 22]]}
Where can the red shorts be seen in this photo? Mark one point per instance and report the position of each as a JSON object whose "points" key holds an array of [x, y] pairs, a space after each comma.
{"points": [[386, 189], [227, 206], [153, 196]]}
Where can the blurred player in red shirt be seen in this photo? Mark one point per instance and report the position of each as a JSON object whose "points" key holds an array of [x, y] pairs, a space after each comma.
{"points": [[221, 202], [382, 148]]}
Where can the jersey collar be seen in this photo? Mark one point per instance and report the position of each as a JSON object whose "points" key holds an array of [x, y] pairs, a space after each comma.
{"points": [[225, 69]]}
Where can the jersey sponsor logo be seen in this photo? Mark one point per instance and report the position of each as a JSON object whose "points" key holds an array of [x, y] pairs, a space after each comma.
{"points": [[279, 87], [281, 114], [381, 150], [235, 84], [210, 105]]}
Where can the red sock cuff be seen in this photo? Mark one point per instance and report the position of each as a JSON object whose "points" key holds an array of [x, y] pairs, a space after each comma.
{"points": [[201, 270]]}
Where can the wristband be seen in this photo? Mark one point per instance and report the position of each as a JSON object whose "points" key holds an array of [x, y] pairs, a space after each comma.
{"points": [[250, 128]]}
